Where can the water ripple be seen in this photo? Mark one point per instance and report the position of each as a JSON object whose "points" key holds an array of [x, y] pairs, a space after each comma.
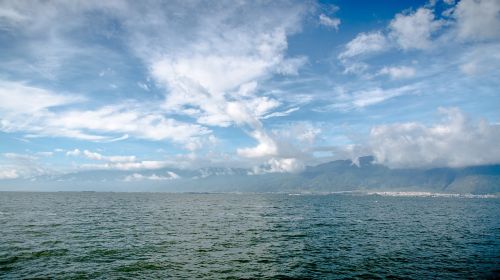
{"points": [[247, 236]]}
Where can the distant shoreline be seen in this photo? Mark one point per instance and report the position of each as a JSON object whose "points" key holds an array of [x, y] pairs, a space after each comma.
{"points": [[353, 193]]}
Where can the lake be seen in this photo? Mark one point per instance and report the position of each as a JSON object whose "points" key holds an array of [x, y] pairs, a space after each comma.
{"points": [[90, 235]]}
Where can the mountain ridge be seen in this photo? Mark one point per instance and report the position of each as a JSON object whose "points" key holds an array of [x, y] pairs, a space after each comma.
{"points": [[339, 175]]}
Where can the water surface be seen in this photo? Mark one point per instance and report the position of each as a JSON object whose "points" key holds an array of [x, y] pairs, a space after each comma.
{"points": [[233, 236]]}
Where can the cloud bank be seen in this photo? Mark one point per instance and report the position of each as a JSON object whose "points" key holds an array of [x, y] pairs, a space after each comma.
{"points": [[456, 141]]}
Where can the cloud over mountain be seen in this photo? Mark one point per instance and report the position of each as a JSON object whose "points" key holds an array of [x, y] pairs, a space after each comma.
{"points": [[266, 86], [456, 141]]}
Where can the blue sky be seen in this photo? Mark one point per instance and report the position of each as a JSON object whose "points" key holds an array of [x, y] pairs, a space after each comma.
{"points": [[268, 85]]}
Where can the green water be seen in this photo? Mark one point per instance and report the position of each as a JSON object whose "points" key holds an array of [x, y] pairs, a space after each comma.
{"points": [[246, 236]]}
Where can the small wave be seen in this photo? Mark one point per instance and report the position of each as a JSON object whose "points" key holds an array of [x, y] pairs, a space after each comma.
{"points": [[140, 266]]}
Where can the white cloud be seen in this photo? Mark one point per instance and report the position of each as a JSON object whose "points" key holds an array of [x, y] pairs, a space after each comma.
{"points": [[22, 157], [283, 165], [477, 20], [202, 62], [350, 151], [137, 165], [456, 141], [96, 156], [232, 46], [126, 119], [101, 124], [362, 45], [266, 146], [14, 97], [302, 134], [470, 21], [291, 66], [50, 48], [398, 72], [21, 166], [213, 76], [139, 177], [365, 43], [281, 114], [329, 21], [206, 91], [75, 152], [365, 98], [117, 162], [286, 148], [6, 173], [414, 30], [92, 155], [121, 138], [354, 67], [481, 60], [206, 71]]}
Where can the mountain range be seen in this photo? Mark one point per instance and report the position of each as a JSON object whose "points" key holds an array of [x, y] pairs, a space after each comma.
{"points": [[335, 176]]}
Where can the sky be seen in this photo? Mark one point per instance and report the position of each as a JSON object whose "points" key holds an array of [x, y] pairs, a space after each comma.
{"points": [[269, 85]]}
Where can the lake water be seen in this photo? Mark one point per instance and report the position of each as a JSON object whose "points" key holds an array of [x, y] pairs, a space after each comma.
{"points": [[246, 236]]}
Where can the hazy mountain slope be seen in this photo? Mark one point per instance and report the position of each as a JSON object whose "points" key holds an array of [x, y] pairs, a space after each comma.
{"points": [[340, 175]]}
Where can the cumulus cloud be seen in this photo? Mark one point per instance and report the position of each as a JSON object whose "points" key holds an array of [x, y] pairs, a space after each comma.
{"points": [[266, 146], [466, 29], [282, 165], [365, 43], [75, 152], [456, 141], [414, 30], [284, 148], [292, 145], [477, 20]]}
